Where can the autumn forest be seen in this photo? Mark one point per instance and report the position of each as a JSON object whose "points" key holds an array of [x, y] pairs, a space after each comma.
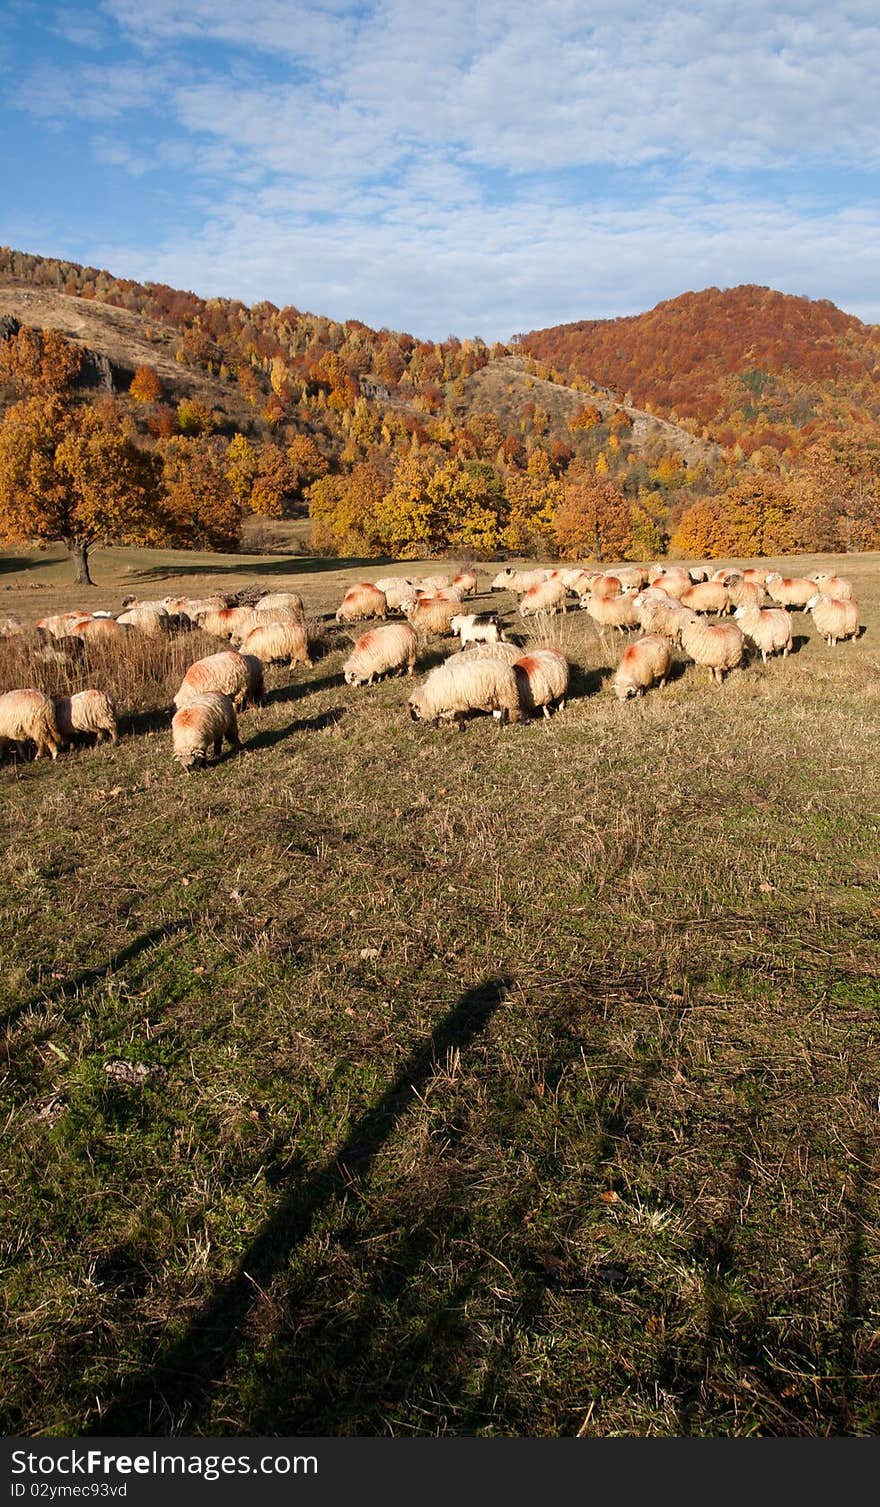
{"points": [[740, 423]]}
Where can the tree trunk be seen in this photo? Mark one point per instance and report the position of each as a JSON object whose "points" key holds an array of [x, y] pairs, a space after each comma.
{"points": [[79, 551]]}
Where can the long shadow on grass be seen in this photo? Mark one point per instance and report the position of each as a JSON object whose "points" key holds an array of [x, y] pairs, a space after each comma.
{"points": [[177, 1387], [316, 724], [299, 689], [259, 565], [68, 988]]}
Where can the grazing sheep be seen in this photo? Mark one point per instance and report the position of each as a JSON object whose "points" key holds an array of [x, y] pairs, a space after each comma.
{"points": [[28, 716], [151, 621], [397, 590], [698, 573], [467, 684], [707, 596], [87, 712], [631, 575], [768, 628], [228, 673], [745, 593], [281, 601], [434, 594], [502, 649], [834, 586], [725, 574], [200, 726], [104, 630], [607, 584], [542, 679], [381, 651], [465, 583], [477, 628], [790, 591], [62, 624], [262, 619], [658, 613], [191, 607], [547, 596], [642, 664], [718, 646], [361, 601], [278, 643], [518, 581], [675, 581], [434, 583], [433, 614], [613, 612], [753, 573], [834, 618], [222, 622]]}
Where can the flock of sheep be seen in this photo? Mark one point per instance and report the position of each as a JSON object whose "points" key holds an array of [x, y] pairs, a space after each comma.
{"points": [[668, 605]]}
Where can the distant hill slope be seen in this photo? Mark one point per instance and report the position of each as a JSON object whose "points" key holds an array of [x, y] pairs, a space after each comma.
{"points": [[751, 365]]}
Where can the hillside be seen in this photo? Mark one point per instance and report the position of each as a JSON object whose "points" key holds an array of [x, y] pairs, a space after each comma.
{"points": [[748, 364]]}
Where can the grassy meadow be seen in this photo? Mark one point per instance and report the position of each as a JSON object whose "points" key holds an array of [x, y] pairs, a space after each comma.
{"points": [[515, 1081]]}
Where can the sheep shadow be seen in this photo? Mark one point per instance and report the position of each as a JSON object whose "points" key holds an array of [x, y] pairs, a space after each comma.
{"points": [[273, 735], [297, 690], [137, 724], [583, 682], [180, 1381]]}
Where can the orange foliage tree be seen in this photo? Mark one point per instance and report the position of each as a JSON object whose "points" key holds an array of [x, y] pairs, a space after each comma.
{"points": [[39, 361], [594, 520], [145, 386]]}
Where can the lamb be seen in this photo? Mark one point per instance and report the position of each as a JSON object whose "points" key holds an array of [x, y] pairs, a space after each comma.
{"points": [[465, 583], [228, 673], [542, 679], [361, 601], [642, 664], [768, 628], [397, 590], [658, 613], [464, 684], [835, 618], [834, 586], [278, 643], [708, 596], [613, 612], [201, 725], [28, 716], [718, 646], [547, 596], [151, 621], [477, 628], [433, 614], [87, 712], [790, 591], [380, 651]]}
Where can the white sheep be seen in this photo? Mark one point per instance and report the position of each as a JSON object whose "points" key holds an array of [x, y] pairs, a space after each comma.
{"points": [[362, 601], [87, 712], [674, 580], [381, 651], [834, 618], [642, 664], [542, 678], [222, 622], [62, 624], [464, 684], [104, 631], [745, 593], [790, 591], [547, 596], [658, 613], [200, 727], [706, 596], [718, 646], [768, 628], [396, 590], [518, 581], [432, 615], [228, 673], [278, 643], [465, 583], [631, 575], [281, 601], [502, 649], [477, 628], [28, 716], [834, 586], [150, 621], [618, 612]]}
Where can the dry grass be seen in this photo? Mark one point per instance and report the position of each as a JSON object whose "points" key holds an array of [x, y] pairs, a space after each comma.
{"points": [[515, 1082]]}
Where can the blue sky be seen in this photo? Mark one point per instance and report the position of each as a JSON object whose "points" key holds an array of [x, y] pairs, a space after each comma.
{"points": [[476, 167]]}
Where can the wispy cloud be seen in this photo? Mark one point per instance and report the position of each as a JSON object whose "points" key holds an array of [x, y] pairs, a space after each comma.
{"points": [[484, 167]]}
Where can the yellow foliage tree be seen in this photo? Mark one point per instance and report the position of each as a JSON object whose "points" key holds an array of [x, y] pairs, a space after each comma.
{"points": [[594, 520]]}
